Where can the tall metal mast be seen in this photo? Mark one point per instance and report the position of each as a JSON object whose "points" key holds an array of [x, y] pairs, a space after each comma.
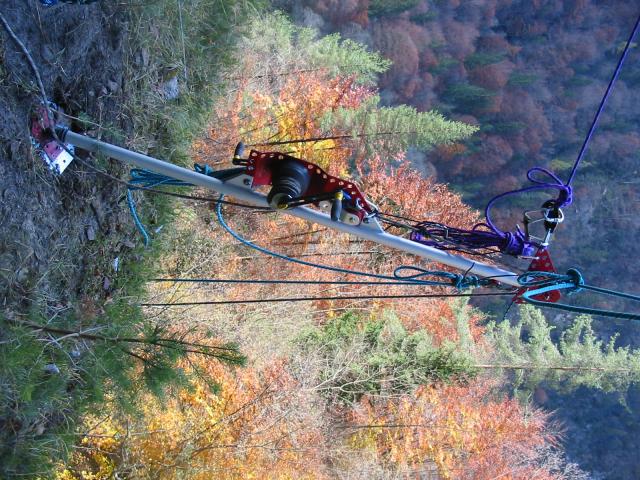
{"points": [[238, 188]]}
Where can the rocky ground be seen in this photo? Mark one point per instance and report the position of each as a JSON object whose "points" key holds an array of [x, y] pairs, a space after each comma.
{"points": [[49, 223]]}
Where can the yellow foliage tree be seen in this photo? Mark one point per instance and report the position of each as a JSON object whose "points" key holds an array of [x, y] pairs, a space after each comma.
{"points": [[257, 426]]}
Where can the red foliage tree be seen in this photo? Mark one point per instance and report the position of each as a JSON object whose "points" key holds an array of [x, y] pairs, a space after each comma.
{"points": [[465, 431]]}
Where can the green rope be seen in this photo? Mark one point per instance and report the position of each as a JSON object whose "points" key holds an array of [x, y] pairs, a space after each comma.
{"points": [[573, 282]]}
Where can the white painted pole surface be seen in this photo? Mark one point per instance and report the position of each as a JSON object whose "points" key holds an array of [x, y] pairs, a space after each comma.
{"points": [[367, 232]]}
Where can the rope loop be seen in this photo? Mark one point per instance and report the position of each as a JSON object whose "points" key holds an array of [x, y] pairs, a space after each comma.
{"points": [[142, 179], [571, 282], [543, 279], [517, 244], [565, 192], [459, 281]]}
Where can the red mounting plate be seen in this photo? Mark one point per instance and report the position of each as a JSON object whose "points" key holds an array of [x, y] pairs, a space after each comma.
{"points": [[40, 122], [51, 151], [260, 168], [542, 263]]}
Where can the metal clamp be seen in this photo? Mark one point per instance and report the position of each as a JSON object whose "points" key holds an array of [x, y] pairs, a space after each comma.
{"points": [[550, 216]]}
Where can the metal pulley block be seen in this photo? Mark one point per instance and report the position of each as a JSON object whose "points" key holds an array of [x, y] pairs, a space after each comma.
{"points": [[295, 182]]}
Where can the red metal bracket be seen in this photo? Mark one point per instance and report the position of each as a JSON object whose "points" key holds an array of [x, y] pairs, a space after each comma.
{"points": [[260, 167], [51, 151], [542, 263]]}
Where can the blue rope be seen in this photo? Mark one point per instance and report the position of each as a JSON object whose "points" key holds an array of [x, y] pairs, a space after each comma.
{"points": [[136, 220], [573, 282], [148, 179], [454, 279]]}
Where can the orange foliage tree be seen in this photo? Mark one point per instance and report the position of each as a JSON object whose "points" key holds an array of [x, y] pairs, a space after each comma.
{"points": [[292, 113], [461, 431]]}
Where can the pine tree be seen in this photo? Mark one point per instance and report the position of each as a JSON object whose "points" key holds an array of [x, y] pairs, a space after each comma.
{"points": [[389, 131], [273, 46], [578, 359], [380, 357], [314, 97]]}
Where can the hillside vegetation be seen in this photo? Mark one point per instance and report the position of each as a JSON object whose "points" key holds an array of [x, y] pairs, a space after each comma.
{"points": [[530, 75], [132, 378], [334, 388]]}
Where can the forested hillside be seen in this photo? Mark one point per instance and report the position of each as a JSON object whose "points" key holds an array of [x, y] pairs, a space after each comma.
{"points": [[188, 337], [530, 75]]}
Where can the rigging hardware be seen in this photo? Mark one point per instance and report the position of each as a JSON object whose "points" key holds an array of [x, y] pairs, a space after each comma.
{"points": [[541, 265], [550, 215], [236, 187], [56, 156], [295, 182], [537, 284], [572, 281]]}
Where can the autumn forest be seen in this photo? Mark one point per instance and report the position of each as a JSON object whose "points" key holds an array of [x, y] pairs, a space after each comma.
{"points": [[431, 107]]}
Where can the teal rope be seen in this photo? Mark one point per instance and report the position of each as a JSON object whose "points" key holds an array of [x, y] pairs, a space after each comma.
{"points": [[456, 280], [148, 179], [573, 282], [136, 220]]}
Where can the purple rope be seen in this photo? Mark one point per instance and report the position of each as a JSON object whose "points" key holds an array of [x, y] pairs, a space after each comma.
{"points": [[516, 243], [488, 235], [594, 123], [447, 238]]}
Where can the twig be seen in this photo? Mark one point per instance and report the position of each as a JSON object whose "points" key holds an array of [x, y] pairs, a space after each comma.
{"points": [[26, 53], [159, 342], [572, 368], [36, 73]]}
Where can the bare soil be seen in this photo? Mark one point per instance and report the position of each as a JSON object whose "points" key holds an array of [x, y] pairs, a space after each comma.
{"points": [[51, 226]]}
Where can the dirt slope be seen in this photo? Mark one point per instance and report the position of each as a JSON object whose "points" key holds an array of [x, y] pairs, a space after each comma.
{"points": [[45, 221]]}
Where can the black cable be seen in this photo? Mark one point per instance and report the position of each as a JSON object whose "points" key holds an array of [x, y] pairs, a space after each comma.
{"points": [[282, 282], [394, 223], [311, 299], [400, 217], [131, 186], [307, 282], [443, 244]]}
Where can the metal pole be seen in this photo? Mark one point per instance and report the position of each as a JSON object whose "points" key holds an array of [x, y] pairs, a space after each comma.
{"points": [[368, 232]]}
